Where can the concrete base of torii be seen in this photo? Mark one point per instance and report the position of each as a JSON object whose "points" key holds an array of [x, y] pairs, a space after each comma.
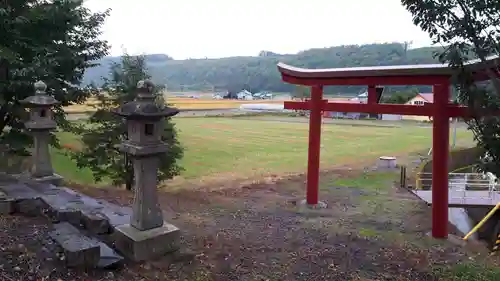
{"points": [[304, 204], [141, 245]]}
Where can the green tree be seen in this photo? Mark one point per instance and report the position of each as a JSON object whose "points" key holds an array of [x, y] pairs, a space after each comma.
{"points": [[106, 130], [301, 92], [54, 41], [468, 29], [399, 97], [259, 73]]}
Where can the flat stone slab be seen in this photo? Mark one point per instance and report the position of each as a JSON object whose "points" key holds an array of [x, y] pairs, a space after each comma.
{"points": [[72, 210], [7, 179], [19, 191], [83, 251], [63, 204], [67, 208], [99, 209], [24, 199], [79, 250]]}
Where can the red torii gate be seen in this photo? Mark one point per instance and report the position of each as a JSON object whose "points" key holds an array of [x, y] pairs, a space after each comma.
{"points": [[436, 75]]}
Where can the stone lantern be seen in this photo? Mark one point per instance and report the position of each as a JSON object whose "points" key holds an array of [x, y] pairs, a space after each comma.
{"points": [[40, 124], [147, 236]]}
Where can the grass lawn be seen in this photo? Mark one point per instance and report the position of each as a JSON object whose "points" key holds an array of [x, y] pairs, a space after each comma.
{"points": [[236, 148]]}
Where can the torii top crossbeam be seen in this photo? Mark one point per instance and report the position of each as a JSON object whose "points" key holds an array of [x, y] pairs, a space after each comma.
{"points": [[436, 75], [420, 74], [426, 74]]}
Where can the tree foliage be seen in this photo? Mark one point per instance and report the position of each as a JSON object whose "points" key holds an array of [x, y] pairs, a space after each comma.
{"points": [[468, 29], [260, 73], [106, 130], [301, 92], [400, 97], [54, 41]]}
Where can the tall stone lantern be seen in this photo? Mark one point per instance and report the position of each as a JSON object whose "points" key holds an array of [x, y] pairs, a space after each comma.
{"points": [[147, 236], [40, 124]]}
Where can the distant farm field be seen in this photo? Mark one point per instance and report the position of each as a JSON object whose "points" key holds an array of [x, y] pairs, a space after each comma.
{"points": [[181, 103], [185, 103], [234, 148]]}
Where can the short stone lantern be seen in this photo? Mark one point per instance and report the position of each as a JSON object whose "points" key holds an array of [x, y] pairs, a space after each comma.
{"points": [[40, 124], [147, 236]]}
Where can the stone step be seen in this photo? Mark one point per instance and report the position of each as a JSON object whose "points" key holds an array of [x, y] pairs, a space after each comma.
{"points": [[97, 216], [63, 204], [25, 200], [81, 250], [70, 211], [77, 216], [6, 204]]}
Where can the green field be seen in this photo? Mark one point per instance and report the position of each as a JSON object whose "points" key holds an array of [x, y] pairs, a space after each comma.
{"points": [[235, 148]]}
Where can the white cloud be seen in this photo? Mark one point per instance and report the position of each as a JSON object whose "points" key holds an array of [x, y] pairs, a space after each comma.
{"points": [[220, 28]]}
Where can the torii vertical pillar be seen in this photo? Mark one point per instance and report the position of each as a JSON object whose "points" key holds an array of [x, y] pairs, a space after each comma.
{"points": [[313, 157], [440, 147], [374, 96]]}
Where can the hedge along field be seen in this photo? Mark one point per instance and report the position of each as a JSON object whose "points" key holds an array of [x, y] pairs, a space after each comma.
{"points": [[237, 148]]}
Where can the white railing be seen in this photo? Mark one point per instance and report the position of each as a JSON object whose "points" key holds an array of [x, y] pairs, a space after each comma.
{"points": [[461, 182], [458, 181]]}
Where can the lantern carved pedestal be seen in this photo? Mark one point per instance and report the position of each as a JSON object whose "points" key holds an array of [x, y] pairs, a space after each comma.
{"points": [[147, 236], [40, 124]]}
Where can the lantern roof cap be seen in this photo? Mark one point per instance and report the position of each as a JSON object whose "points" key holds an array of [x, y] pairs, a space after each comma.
{"points": [[144, 106], [40, 99]]}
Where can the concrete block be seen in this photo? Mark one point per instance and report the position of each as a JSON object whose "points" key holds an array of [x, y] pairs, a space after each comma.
{"points": [[29, 207], [95, 223], [6, 206], [79, 250], [150, 244], [109, 258]]}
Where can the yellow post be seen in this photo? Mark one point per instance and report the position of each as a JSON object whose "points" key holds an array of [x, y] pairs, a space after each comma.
{"points": [[418, 182], [419, 172], [483, 221]]}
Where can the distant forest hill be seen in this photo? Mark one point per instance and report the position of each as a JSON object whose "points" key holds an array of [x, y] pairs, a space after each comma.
{"points": [[259, 73]]}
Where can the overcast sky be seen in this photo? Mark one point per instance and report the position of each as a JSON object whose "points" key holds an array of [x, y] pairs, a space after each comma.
{"points": [[221, 28]]}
